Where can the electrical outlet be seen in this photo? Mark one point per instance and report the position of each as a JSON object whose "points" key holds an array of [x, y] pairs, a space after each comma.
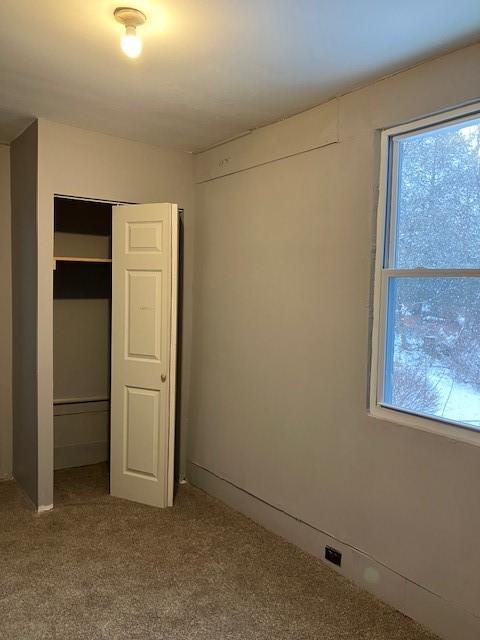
{"points": [[333, 556]]}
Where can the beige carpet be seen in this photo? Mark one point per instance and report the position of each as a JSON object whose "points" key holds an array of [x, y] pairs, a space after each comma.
{"points": [[98, 567]]}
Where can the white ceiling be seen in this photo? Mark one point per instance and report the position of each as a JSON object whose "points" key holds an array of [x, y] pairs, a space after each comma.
{"points": [[211, 69]]}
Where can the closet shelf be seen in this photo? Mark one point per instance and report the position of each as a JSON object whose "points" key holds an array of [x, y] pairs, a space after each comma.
{"points": [[57, 401], [78, 259]]}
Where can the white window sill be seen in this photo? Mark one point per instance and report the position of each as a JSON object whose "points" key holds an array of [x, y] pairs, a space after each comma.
{"points": [[438, 427]]}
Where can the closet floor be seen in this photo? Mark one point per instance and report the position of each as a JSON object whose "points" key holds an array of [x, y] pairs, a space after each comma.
{"points": [[97, 567]]}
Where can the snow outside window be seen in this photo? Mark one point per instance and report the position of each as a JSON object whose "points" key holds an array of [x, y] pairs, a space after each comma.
{"points": [[427, 334]]}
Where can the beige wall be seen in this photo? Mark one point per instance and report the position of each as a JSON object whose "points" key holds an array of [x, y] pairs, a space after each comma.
{"points": [[24, 309], [91, 165], [280, 362], [5, 317]]}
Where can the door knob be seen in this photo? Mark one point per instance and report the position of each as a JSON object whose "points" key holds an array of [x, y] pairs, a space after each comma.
{"points": [[164, 377]]}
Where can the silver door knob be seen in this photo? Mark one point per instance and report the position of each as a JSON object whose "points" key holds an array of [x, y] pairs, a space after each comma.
{"points": [[164, 377]]}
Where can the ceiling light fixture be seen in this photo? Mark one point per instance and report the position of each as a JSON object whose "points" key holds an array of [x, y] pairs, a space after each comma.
{"points": [[131, 19]]}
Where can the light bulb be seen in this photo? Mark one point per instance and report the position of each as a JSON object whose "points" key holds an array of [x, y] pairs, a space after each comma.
{"points": [[131, 19], [131, 43]]}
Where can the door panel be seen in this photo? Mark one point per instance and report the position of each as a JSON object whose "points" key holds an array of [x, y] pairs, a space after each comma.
{"points": [[141, 416], [144, 317], [144, 278], [144, 236]]}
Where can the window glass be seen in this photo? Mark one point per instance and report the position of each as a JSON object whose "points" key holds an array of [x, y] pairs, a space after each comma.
{"points": [[436, 198], [432, 347]]}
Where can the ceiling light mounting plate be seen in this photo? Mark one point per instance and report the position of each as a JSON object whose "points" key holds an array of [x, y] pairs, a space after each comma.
{"points": [[129, 17]]}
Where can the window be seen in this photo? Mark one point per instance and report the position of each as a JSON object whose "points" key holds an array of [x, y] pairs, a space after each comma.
{"points": [[426, 342]]}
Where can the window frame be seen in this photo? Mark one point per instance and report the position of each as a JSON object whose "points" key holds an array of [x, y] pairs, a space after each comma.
{"points": [[383, 273]]}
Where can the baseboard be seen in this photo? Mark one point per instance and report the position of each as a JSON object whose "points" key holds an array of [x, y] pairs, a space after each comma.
{"points": [[79, 455], [44, 507], [445, 618]]}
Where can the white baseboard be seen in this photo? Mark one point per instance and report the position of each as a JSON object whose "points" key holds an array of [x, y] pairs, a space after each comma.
{"points": [[79, 455], [44, 507], [445, 618]]}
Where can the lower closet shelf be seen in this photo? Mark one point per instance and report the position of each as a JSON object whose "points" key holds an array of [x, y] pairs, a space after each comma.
{"points": [[80, 400], [81, 432]]}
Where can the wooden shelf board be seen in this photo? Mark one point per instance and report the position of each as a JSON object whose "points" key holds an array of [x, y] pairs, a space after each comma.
{"points": [[57, 401], [78, 259]]}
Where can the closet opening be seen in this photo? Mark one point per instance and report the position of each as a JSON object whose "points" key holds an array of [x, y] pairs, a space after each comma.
{"points": [[125, 443], [82, 293]]}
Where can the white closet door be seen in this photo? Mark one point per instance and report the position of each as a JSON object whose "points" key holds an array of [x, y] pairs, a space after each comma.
{"points": [[144, 305]]}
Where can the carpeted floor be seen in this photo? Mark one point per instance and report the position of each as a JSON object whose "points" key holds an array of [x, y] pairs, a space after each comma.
{"points": [[101, 568]]}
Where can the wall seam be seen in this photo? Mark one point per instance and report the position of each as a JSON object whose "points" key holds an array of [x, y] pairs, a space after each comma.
{"points": [[267, 162]]}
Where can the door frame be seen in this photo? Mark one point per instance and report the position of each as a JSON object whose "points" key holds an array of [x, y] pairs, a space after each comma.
{"points": [[174, 239]]}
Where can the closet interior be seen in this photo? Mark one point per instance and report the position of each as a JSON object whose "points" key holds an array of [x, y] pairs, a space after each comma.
{"points": [[82, 331]]}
